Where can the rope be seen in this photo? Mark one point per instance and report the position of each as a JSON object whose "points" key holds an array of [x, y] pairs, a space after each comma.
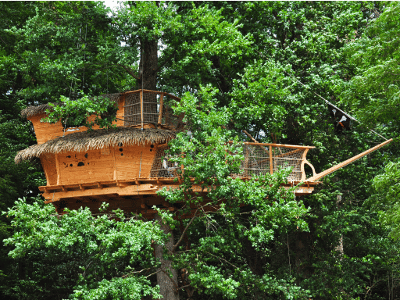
{"points": [[141, 100], [346, 114]]}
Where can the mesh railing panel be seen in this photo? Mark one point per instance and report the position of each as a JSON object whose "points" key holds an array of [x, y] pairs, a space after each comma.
{"points": [[132, 114], [258, 162], [151, 109], [288, 157], [161, 166]]}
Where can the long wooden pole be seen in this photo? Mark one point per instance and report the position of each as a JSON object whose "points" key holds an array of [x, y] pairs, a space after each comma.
{"points": [[346, 162]]}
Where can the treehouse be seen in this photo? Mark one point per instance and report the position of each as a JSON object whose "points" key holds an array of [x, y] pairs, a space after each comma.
{"points": [[126, 165]]}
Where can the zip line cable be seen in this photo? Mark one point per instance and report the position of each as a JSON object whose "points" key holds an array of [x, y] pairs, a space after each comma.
{"points": [[346, 114]]}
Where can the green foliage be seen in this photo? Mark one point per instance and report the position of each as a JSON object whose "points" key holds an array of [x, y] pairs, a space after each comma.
{"points": [[375, 91], [133, 288], [238, 61], [77, 112], [235, 215], [80, 253], [387, 197]]}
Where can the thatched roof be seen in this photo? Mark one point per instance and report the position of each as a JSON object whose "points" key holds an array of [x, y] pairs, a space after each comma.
{"points": [[40, 109], [31, 111], [96, 139]]}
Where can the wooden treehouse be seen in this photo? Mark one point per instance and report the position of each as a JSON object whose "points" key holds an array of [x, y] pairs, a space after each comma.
{"points": [[126, 166]]}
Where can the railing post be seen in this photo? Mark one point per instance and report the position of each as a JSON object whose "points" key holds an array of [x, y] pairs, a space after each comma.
{"points": [[246, 161], [141, 107], [161, 109], [303, 161], [271, 166]]}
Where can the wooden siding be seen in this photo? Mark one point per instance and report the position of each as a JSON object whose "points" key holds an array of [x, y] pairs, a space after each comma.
{"points": [[83, 167], [49, 165], [107, 164], [133, 161], [45, 131]]}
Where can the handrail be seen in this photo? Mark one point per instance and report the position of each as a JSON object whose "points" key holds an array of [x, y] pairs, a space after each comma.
{"points": [[154, 92], [279, 145]]}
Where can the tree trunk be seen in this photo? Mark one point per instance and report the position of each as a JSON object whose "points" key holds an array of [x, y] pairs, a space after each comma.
{"points": [[148, 65], [148, 81], [167, 277]]}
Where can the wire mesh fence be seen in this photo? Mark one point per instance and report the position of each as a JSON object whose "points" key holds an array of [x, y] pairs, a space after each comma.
{"points": [[259, 159], [144, 107], [162, 167]]}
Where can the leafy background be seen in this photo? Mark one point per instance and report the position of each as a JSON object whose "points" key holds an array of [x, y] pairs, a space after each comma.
{"points": [[235, 64]]}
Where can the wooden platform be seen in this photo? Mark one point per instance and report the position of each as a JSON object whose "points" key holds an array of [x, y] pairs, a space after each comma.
{"points": [[138, 195]]}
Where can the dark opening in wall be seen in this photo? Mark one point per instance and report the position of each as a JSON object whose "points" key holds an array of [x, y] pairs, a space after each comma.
{"points": [[80, 164]]}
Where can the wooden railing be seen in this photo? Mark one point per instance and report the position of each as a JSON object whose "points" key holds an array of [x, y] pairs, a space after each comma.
{"points": [[263, 158], [259, 159], [149, 107]]}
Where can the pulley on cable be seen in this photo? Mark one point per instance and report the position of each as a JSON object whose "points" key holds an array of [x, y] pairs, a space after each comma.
{"points": [[341, 120]]}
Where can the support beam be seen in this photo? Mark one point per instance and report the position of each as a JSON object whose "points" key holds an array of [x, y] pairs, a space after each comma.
{"points": [[346, 162]]}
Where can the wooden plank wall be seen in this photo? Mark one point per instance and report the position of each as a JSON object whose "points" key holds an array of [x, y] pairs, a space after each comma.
{"points": [[120, 113], [48, 161], [45, 131], [134, 161], [83, 167], [107, 164]]}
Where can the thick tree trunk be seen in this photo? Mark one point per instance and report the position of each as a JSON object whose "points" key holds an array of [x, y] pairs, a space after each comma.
{"points": [[135, 108], [148, 65], [168, 285]]}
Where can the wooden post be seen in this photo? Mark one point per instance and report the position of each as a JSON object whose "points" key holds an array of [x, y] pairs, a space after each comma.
{"points": [[141, 107], [271, 166], [303, 171], [58, 169], [161, 109], [246, 162]]}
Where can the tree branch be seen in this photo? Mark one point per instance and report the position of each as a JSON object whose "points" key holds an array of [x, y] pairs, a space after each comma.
{"points": [[222, 259], [185, 286], [135, 272], [163, 64], [184, 231], [130, 72]]}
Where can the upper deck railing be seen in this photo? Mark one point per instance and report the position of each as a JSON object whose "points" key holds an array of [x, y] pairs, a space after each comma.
{"points": [[150, 107]]}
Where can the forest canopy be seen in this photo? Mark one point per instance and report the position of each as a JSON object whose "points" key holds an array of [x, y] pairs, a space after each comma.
{"points": [[254, 66]]}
